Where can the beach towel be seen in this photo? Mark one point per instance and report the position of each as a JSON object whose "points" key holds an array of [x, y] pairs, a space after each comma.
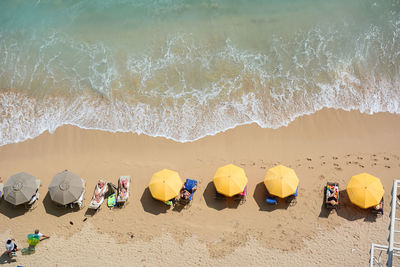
{"points": [[112, 200]]}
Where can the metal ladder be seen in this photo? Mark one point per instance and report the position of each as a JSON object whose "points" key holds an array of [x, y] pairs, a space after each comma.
{"points": [[394, 246], [393, 249]]}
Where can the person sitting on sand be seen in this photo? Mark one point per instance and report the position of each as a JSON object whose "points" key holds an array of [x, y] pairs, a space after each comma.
{"points": [[99, 191], [11, 247]]}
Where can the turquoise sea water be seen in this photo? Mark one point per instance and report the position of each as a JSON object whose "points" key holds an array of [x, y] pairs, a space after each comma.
{"points": [[187, 69]]}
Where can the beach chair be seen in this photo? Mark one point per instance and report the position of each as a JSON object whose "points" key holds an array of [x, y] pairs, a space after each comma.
{"points": [[32, 203], [191, 186], [378, 209], [331, 195], [79, 201], [1, 189], [98, 195], [241, 196], [292, 199], [271, 200], [123, 190]]}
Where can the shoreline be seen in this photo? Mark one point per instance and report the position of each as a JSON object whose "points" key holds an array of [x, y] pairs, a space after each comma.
{"points": [[330, 145]]}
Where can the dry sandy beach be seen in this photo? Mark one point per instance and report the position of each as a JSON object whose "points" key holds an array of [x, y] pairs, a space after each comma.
{"points": [[330, 145]]}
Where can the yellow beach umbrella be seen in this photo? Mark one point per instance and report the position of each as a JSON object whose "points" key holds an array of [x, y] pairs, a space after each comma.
{"points": [[365, 190], [230, 180], [281, 181], [165, 185]]}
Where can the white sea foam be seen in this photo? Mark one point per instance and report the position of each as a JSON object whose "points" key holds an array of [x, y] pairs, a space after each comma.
{"points": [[185, 89]]}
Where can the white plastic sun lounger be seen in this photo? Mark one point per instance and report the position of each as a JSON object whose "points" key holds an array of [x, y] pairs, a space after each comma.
{"points": [[123, 196], [1, 189], [79, 201], [95, 204]]}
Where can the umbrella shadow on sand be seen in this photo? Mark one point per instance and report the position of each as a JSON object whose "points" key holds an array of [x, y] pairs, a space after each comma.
{"points": [[260, 195], [351, 212], [5, 259], [152, 205], [53, 209], [12, 211], [212, 201]]}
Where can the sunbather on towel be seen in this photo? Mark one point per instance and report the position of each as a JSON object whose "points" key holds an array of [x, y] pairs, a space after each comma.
{"points": [[100, 188]]}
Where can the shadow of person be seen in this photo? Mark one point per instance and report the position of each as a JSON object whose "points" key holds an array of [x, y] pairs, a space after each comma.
{"points": [[12, 211], [5, 259], [53, 209], [325, 212], [348, 210], [260, 195], [152, 205]]}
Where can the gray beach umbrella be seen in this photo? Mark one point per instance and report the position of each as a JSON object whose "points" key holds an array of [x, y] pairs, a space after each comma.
{"points": [[20, 188], [66, 187]]}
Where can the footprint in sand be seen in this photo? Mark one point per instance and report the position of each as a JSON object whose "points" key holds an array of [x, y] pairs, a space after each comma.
{"points": [[321, 157], [323, 163], [298, 165], [385, 158], [338, 169], [362, 166], [262, 167], [310, 167], [386, 166], [348, 162], [309, 159], [348, 155], [335, 164], [359, 157]]}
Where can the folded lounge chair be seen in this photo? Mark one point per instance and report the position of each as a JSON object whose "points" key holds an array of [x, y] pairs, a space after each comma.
{"points": [[98, 196], [331, 195], [123, 189]]}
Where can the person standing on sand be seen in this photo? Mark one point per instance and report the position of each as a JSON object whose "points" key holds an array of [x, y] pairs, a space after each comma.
{"points": [[37, 232]]}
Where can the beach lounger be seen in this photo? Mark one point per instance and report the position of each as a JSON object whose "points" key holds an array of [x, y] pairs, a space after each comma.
{"points": [[1, 189], [241, 196], [378, 209], [123, 189], [191, 186], [31, 203], [99, 195], [331, 195], [79, 201]]}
